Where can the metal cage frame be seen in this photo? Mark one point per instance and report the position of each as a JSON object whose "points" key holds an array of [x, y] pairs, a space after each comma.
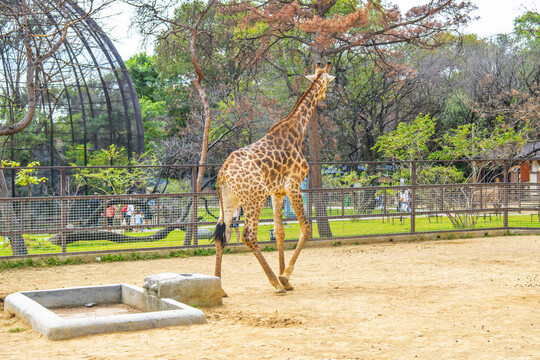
{"points": [[85, 94]]}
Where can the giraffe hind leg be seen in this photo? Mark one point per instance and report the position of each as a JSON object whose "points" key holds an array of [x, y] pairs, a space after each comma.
{"points": [[253, 211], [229, 202]]}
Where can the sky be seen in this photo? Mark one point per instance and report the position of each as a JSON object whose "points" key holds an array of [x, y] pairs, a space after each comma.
{"points": [[495, 17]]}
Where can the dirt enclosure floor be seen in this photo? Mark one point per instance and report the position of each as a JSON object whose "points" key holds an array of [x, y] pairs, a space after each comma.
{"points": [[459, 299]]}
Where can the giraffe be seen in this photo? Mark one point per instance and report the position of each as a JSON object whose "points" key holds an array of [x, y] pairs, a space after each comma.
{"points": [[272, 166]]}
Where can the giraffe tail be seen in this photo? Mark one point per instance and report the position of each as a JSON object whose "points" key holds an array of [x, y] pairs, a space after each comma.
{"points": [[220, 233]]}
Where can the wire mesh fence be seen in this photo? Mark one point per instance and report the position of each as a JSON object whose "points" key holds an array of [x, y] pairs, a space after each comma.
{"points": [[107, 209]]}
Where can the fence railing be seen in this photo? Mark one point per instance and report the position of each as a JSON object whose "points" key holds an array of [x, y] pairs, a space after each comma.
{"points": [[73, 220]]}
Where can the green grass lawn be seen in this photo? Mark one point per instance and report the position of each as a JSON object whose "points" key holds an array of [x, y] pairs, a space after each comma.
{"points": [[39, 244]]}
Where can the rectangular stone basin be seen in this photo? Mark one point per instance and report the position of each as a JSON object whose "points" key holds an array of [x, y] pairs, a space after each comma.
{"points": [[151, 311]]}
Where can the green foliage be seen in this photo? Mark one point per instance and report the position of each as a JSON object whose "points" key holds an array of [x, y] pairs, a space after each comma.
{"points": [[203, 252], [75, 154], [4, 265], [257, 29], [153, 116], [112, 180], [108, 258], [175, 186], [133, 256], [113, 258], [333, 178], [178, 254], [25, 177], [528, 25], [470, 142], [441, 174], [16, 330], [145, 77], [409, 141], [103, 157], [52, 261], [164, 103], [38, 244]]}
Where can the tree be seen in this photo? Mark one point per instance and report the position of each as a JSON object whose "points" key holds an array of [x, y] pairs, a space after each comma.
{"points": [[492, 78], [145, 77], [32, 27], [28, 22], [416, 141], [410, 141], [154, 15], [164, 106], [333, 29], [194, 27], [111, 180], [24, 177], [528, 26], [471, 143]]}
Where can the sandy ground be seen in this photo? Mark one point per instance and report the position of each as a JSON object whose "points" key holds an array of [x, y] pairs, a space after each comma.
{"points": [[460, 299]]}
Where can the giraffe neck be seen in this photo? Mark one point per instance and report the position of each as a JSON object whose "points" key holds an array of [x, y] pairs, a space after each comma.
{"points": [[295, 125]]}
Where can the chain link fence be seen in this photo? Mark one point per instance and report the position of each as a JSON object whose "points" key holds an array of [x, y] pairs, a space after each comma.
{"points": [[76, 210]]}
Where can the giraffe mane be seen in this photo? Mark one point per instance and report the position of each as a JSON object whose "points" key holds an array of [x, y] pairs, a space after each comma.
{"points": [[297, 103]]}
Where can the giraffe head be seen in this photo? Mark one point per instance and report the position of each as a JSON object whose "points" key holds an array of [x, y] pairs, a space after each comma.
{"points": [[324, 78]]}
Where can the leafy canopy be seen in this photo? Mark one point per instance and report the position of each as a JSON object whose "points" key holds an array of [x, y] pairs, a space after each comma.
{"points": [[109, 180], [409, 141]]}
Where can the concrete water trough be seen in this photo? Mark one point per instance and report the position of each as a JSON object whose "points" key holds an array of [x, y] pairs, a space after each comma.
{"points": [[72, 312]]}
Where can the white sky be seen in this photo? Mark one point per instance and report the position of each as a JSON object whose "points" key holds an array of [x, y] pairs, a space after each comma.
{"points": [[496, 17]]}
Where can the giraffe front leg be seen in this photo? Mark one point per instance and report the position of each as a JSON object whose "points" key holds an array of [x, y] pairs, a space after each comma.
{"points": [[305, 234]]}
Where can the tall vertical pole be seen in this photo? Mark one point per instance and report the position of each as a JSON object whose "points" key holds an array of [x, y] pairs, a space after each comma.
{"points": [[194, 217], [309, 209], [506, 186], [63, 210], [413, 197]]}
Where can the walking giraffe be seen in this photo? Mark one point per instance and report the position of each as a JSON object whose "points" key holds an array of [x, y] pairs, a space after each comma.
{"points": [[274, 165]]}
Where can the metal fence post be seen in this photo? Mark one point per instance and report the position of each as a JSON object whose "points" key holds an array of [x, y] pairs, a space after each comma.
{"points": [[194, 213], [385, 211], [506, 185], [342, 204], [413, 197], [63, 212], [310, 203], [158, 210]]}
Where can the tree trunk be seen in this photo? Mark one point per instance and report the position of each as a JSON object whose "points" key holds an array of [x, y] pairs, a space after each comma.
{"points": [[33, 63], [18, 247], [191, 231], [316, 179]]}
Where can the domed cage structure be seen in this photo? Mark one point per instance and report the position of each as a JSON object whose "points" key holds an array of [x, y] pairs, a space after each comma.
{"points": [[86, 100]]}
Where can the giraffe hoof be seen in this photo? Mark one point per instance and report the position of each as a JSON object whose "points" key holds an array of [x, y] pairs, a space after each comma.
{"points": [[285, 282], [280, 291], [223, 293]]}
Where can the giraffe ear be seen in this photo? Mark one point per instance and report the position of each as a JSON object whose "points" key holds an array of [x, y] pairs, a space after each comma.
{"points": [[330, 77], [311, 77]]}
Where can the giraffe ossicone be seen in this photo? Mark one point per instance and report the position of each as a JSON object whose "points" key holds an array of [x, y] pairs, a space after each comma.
{"points": [[272, 166]]}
